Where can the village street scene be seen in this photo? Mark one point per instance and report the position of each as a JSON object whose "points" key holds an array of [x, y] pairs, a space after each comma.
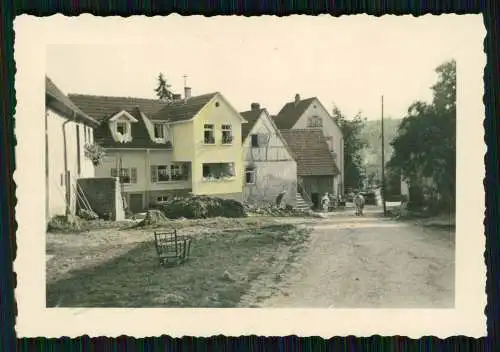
{"points": [[186, 196]]}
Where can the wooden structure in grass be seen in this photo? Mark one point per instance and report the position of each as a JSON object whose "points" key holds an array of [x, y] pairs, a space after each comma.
{"points": [[171, 247]]}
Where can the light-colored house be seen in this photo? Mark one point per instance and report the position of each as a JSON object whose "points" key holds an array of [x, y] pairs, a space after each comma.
{"points": [[269, 166], [311, 114], [191, 145], [67, 130], [316, 167]]}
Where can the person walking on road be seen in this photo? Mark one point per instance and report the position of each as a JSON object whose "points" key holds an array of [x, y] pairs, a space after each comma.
{"points": [[359, 203], [325, 202]]}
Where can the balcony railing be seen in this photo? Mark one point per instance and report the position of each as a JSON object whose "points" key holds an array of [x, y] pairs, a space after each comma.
{"points": [[266, 154]]}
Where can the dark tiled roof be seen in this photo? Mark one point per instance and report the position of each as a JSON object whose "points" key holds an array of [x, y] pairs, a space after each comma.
{"points": [[104, 108], [291, 112], [311, 152], [180, 110], [251, 117], [54, 92]]}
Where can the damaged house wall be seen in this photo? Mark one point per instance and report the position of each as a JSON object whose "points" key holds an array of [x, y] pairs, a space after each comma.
{"points": [[269, 166]]}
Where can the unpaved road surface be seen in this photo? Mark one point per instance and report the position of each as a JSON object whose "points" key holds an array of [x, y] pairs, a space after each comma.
{"points": [[371, 262]]}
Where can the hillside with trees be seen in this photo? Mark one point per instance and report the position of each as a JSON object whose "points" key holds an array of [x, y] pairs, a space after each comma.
{"points": [[371, 135]]}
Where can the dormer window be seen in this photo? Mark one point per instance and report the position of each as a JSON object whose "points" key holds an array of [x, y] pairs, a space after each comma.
{"points": [[159, 131], [122, 127]]}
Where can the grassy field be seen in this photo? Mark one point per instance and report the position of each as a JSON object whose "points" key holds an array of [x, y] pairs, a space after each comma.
{"points": [[119, 267]]}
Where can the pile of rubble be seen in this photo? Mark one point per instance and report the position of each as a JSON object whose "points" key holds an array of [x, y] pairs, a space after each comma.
{"points": [[273, 210]]}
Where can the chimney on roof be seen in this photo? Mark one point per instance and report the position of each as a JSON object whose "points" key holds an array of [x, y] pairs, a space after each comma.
{"points": [[297, 99], [176, 97], [187, 93], [255, 106]]}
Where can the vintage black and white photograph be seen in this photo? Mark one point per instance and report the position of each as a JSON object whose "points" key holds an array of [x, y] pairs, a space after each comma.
{"points": [[277, 166]]}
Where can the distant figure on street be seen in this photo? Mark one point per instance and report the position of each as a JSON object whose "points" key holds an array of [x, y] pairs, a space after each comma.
{"points": [[325, 202], [359, 203]]}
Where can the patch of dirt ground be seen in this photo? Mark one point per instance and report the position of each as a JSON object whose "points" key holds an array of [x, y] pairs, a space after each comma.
{"points": [[119, 268]]}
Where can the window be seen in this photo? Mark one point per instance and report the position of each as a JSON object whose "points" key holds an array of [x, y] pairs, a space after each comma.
{"points": [[208, 136], [218, 171], [227, 134], [163, 173], [160, 199], [122, 128], [259, 140], [159, 130], [127, 175], [167, 173], [315, 122], [250, 175], [179, 172]]}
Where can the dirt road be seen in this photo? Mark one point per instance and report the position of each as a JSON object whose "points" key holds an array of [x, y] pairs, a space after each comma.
{"points": [[371, 262]]}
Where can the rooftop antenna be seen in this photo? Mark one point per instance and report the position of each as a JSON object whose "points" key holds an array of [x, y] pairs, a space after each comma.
{"points": [[185, 80]]}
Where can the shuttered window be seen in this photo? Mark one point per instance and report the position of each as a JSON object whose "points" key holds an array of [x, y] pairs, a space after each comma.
{"points": [[133, 175], [154, 174]]}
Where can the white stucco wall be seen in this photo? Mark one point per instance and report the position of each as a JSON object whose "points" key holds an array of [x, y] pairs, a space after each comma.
{"points": [[330, 129], [56, 191]]}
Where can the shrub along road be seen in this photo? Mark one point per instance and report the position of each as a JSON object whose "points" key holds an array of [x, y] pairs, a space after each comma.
{"points": [[369, 262]]}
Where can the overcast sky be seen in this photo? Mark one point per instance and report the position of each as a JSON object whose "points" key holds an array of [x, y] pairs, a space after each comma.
{"points": [[350, 61]]}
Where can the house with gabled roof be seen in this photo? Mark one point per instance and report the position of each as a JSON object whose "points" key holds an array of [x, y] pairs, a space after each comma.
{"points": [[269, 165], [311, 114], [190, 145], [67, 130], [316, 167]]}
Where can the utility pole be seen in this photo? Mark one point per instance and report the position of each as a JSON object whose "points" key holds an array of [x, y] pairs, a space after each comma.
{"points": [[383, 159]]}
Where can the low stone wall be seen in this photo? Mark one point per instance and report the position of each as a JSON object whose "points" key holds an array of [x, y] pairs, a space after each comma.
{"points": [[104, 197]]}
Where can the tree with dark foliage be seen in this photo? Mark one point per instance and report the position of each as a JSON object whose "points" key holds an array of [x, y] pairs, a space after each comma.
{"points": [[424, 149], [163, 91]]}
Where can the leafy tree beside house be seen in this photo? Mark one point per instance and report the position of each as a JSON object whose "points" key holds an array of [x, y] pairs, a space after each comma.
{"points": [[424, 149], [353, 146], [163, 91]]}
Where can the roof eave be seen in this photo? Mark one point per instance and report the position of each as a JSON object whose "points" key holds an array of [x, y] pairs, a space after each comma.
{"points": [[77, 113]]}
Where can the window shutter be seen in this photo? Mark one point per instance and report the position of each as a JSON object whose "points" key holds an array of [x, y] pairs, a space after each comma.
{"points": [[154, 176], [113, 172], [133, 175]]}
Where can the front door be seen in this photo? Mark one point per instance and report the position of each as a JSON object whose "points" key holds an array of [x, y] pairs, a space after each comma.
{"points": [[135, 203], [315, 200]]}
